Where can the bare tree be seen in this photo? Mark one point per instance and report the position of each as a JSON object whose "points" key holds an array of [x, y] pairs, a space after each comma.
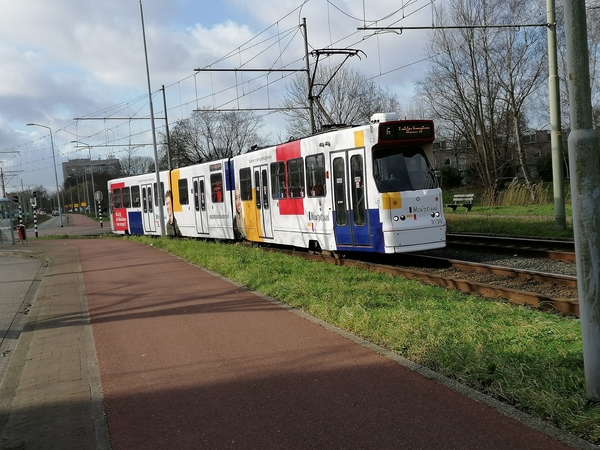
{"points": [[521, 73], [349, 98], [461, 90], [480, 80], [210, 135], [135, 165]]}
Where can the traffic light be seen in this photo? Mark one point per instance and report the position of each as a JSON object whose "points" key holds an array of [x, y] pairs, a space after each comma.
{"points": [[15, 198], [34, 194]]}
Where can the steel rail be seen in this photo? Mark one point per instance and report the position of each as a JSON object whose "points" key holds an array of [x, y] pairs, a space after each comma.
{"points": [[515, 296], [538, 248]]}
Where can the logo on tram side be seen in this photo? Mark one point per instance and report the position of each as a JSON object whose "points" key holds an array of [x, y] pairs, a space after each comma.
{"points": [[419, 209], [318, 217]]}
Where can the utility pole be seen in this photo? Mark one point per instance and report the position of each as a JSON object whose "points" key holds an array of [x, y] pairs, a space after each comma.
{"points": [[159, 192], [558, 177], [2, 183], [585, 191], [167, 130], [311, 100]]}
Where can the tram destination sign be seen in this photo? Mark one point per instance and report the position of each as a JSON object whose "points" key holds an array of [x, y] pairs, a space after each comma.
{"points": [[406, 130]]}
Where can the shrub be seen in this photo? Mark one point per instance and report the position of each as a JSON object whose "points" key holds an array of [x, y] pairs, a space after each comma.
{"points": [[544, 167], [451, 177]]}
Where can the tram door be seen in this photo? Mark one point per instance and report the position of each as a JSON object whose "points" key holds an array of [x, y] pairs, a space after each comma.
{"points": [[148, 208], [263, 202], [201, 213], [351, 223]]}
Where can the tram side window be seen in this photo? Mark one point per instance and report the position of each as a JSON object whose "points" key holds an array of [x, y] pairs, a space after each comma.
{"points": [[117, 198], [257, 182], [315, 175], [339, 192], [162, 192], [196, 200], [150, 207], [135, 196], [265, 189], [278, 187], [296, 177], [246, 184], [358, 190], [202, 196], [184, 197], [126, 197], [216, 187], [199, 198], [145, 203]]}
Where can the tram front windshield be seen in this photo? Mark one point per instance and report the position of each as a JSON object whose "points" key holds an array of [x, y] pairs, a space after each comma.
{"points": [[402, 169]]}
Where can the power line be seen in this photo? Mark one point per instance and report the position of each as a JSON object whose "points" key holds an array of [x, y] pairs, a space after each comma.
{"points": [[455, 27]]}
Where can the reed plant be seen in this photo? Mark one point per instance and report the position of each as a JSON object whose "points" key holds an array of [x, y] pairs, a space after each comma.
{"points": [[519, 194]]}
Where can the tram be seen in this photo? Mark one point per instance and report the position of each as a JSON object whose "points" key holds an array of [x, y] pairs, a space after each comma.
{"points": [[368, 188]]}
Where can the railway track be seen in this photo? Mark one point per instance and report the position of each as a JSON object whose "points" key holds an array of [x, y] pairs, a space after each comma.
{"points": [[563, 250], [546, 291]]}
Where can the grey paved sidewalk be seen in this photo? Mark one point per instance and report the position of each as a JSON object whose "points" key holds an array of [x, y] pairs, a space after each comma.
{"points": [[50, 396], [19, 281]]}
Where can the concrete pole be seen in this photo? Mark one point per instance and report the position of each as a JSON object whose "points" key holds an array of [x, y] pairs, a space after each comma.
{"points": [[159, 192], [311, 101], [584, 162], [558, 176], [167, 132]]}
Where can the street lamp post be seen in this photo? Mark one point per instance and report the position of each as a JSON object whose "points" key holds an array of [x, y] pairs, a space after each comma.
{"points": [[87, 190], [92, 171], [78, 196], [55, 172], [71, 192]]}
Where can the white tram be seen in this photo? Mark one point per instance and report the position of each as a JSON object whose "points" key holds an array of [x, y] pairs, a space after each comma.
{"points": [[368, 188]]}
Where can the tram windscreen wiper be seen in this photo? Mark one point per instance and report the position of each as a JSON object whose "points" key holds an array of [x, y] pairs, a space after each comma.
{"points": [[430, 180]]}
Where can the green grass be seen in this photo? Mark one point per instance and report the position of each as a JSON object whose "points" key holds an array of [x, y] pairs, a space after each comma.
{"points": [[513, 212], [528, 220], [529, 359], [522, 211]]}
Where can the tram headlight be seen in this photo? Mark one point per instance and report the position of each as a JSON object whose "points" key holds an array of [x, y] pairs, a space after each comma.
{"points": [[396, 218], [435, 214], [402, 217]]}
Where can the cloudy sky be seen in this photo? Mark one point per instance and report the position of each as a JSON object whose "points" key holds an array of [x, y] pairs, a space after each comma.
{"points": [[78, 67]]}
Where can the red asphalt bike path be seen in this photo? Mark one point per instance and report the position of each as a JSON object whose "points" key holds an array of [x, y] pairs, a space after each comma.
{"points": [[190, 360]]}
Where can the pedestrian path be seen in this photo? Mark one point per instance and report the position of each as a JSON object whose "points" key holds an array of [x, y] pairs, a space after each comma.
{"points": [[50, 394], [187, 359]]}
